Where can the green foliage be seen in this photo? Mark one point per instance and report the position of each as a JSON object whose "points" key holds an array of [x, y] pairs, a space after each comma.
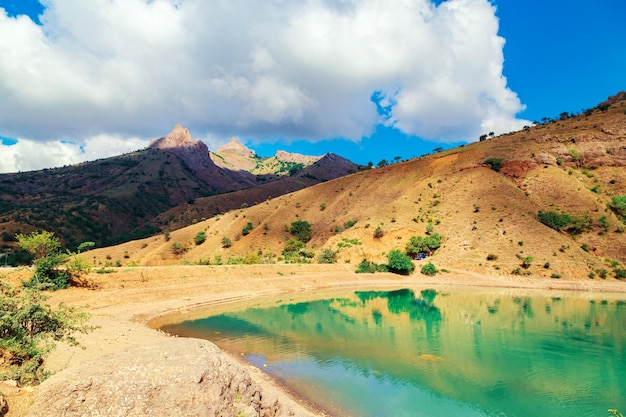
{"points": [[554, 220], [301, 230], [39, 244], [620, 273], [378, 233], [85, 246], [327, 256], [618, 205], [200, 237], [247, 229], [527, 261], [496, 163], [492, 257], [167, 236], [399, 262], [226, 243], [323, 206], [28, 329], [293, 247], [366, 266], [574, 154], [419, 244], [429, 269]]}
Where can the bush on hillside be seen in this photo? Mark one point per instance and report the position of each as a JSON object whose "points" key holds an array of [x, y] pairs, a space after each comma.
{"points": [[419, 244], [554, 220], [429, 269], [301, 230], [399, 262], [366, 266], [200, 237], [327, 256], [496, 163]]}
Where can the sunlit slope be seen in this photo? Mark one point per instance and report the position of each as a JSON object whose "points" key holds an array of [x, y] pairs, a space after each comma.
{"points": [[573, 166]]}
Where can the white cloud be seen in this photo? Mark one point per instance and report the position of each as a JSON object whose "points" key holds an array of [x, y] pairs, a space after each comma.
{"points": [[297, 69]]}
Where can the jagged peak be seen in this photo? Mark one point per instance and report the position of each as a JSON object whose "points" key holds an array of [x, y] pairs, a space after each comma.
{"points": [[234, 146], [177, 138]]}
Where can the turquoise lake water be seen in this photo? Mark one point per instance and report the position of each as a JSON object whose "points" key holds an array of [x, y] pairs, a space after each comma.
{"points": [[437, 353]]}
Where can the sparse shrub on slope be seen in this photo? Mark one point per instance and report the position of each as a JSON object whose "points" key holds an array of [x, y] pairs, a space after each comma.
{"points": [[328, 256], [301, 230], [429, 269], [554, 220], [200, 237], [496, 163]]}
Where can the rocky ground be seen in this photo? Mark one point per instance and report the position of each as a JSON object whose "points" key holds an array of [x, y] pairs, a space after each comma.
{"points": [[125, 368]]}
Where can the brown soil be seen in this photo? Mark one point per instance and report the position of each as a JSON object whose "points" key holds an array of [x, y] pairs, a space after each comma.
{"points": [[124, 302]]}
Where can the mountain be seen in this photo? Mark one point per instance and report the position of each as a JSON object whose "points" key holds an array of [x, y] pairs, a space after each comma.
{"points": [[494, 202], [122, 198]]}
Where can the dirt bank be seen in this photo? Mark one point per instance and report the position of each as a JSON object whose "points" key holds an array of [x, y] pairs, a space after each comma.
{"points": [[127, 368]]}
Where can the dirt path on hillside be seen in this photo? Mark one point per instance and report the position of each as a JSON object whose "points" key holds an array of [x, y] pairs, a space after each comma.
{"points": [[124, 302]]}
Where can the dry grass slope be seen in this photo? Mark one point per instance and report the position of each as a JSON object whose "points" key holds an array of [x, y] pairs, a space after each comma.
{"points": [[572, 166]]}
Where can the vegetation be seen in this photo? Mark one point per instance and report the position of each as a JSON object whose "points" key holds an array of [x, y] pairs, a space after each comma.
{"points": [[559, 221], [247, 229], [618, 205], [44, 247], [378, 233], [366, 266], [327, 256], [200, 237], [179, 248], [28, 329], [226, 243], [496, 163], [419, 244], [399, 262], [429, 269], [301, 230]]}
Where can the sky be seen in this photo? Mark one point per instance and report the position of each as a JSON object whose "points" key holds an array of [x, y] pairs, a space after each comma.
{"points": [[366, 79]]}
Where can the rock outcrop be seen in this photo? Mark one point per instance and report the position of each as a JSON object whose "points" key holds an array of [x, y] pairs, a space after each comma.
{"points": [[177, 377], [179, 141]]}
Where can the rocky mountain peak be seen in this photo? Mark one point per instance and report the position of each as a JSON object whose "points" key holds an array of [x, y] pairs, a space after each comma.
{"points": [[179, 141], [235, 147]]}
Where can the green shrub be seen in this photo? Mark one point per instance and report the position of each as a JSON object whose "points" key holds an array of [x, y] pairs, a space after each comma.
{"points": [[226, 243], [555, 275], [48, 275], [419, 244], [327, 256], [200, 237], [28, 329], [574, 154], [554, 220], [527, 261], [429, 269], [496, 163], [293, 247], [247, 229], [378, 233], [399, 262], [620, 273], [492, 257], [301, 230], [366, 266], [618, 205]]}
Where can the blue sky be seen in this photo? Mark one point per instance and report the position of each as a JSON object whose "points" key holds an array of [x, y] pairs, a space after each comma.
{"points": [[299, 78]]}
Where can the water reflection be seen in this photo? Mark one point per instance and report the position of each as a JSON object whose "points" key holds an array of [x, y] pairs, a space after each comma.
{"points": [[460, 353]]}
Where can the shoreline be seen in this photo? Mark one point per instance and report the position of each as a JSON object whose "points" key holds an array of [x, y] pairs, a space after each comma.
{"points": [[128, 305]]}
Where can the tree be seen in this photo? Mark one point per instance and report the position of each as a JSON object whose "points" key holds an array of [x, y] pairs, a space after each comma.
{"points": [[39, 244], [44, 247], [399, 262], [419, 244], [85, 246], [301, 230], [382, 163], [247, 229]]}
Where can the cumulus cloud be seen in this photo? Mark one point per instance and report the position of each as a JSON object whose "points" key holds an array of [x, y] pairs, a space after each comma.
{"points": [[298, 69]]}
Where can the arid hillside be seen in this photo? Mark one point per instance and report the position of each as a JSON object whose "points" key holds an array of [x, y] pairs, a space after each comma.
{"points": [[122, 198], [484, 199]]}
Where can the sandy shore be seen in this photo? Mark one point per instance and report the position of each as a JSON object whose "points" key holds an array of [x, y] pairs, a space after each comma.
{"points": [[123, 303]]}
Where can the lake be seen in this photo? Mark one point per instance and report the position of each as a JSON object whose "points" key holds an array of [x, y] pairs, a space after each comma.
{"points": [[427, 352]]}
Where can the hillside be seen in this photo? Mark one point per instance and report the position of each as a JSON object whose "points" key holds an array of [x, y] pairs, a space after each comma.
{"points": [[118, 199], [573, 165]]}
